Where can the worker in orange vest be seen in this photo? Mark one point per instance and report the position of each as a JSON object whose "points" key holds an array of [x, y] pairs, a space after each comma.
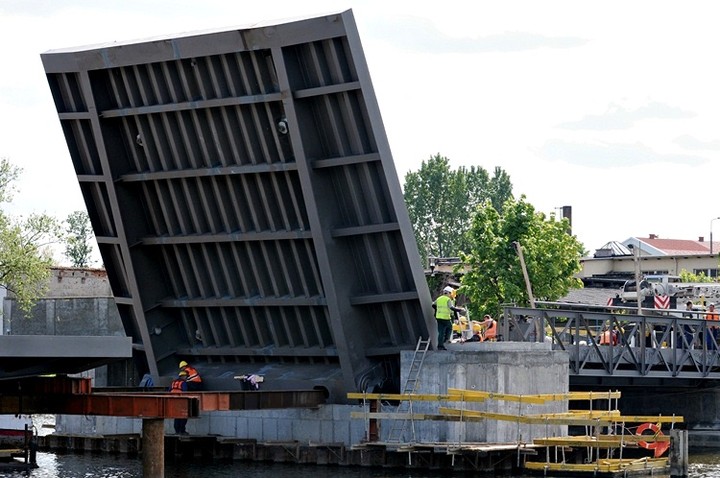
{"points": [[609, 335], [180, 385], [490, 327], [193, 379], [712, 330]]}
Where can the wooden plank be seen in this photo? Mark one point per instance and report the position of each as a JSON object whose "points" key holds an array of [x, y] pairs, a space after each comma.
{"points": [[469, 395], [10, 452], [602, 466], [559, 397], [461, 395], [471, 415], [650, 419], [417, 397], [406, 416], [603, 441]]}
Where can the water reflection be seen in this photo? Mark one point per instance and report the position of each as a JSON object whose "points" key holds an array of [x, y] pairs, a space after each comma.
{"points": [[51, 465], [705, 464]]}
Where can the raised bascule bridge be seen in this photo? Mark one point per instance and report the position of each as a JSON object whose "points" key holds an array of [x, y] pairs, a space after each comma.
{"points": [[250, 218], [249, 215], [245, 202]]}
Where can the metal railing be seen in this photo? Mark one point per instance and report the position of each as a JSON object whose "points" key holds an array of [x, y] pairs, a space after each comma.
{"points": [[660, 344]]}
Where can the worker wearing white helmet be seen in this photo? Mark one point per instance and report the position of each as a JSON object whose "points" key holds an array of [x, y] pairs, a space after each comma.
{"points": [[444, 307]]}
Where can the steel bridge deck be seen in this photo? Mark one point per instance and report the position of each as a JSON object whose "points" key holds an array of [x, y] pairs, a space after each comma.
{"points": [[654, 345]]}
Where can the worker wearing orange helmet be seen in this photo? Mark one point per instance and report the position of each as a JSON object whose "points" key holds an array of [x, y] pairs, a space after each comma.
{"points": [[193, 379]]}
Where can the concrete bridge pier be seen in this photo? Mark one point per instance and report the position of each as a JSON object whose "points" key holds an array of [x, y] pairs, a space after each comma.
{"points": [[153, 447]]}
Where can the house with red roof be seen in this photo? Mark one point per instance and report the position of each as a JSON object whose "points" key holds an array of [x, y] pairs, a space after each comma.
{"points": [[654, 245], [615, 262]]}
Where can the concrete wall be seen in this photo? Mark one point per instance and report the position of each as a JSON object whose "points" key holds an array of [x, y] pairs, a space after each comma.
{"points": [[501, 367], [326, 424], [513, 368]]}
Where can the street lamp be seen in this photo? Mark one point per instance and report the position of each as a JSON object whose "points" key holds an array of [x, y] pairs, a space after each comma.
{"points": [[711, 244]]}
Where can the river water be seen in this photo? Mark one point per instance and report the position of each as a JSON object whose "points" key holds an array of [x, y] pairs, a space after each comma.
{"points": [[94, 465], [88, 465]]}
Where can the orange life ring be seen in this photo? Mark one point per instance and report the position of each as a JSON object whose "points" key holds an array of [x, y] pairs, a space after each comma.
{"points": [[658, 447]]}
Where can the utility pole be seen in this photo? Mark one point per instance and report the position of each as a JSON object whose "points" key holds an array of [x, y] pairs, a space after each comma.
{"points": [[638, 276], [528, 286], [539, 324]]}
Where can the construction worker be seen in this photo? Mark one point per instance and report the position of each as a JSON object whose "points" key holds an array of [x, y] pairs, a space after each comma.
{"points": [[609, 336], [193, 379], [712, 330], [444, 308], [490, 328], [180, 385]]}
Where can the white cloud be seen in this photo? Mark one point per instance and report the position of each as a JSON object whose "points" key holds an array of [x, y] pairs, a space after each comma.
{"points": [[691, 143], [619, 117], [605, 155], [521, 84], [421, 35]]}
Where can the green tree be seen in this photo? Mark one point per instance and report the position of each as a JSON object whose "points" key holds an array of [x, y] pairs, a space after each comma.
{"points": [[78, 239], [25, 255], [495, 277], [441, 203], [687, 276]]}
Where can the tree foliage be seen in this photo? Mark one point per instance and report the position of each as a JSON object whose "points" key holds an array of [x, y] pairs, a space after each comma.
{"points": [[25, 256], [495, 275], [687, 276], [441, 203], [78, 239]]}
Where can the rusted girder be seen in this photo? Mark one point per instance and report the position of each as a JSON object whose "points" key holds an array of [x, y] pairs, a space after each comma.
{"points": [[136, 406], [74, 396], [241, 400], [50, 385]]}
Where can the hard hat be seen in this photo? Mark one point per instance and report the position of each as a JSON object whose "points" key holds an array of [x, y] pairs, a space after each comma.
{"points": [[448, 289], [183, 364], [182, 373]]}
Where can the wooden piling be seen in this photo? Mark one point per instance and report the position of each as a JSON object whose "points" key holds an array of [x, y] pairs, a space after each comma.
{"points": [[678, 453], [153, 447]]}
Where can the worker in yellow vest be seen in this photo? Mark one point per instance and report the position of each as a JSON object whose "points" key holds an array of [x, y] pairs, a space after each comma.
{"points": [[444, 307]]}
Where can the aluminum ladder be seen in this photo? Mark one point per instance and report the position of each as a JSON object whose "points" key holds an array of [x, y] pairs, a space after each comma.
{"points": [[399, 426]]}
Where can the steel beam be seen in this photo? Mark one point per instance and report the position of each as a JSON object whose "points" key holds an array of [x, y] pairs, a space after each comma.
{"points": [[133, 406]]}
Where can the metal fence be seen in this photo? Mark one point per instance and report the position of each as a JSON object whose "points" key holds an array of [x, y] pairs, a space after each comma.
{"points": [[618, 342]]}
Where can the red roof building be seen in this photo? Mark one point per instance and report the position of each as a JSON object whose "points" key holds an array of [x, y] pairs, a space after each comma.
{"points": [[672, 247]]}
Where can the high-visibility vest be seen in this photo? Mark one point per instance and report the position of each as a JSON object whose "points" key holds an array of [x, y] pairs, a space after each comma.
{"points": [[178, 386], [443, 304], [192, 374], [491, 331], [609, 336]]}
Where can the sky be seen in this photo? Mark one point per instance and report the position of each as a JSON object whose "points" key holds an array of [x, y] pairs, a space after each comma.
{"points": [[610, 107]]}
